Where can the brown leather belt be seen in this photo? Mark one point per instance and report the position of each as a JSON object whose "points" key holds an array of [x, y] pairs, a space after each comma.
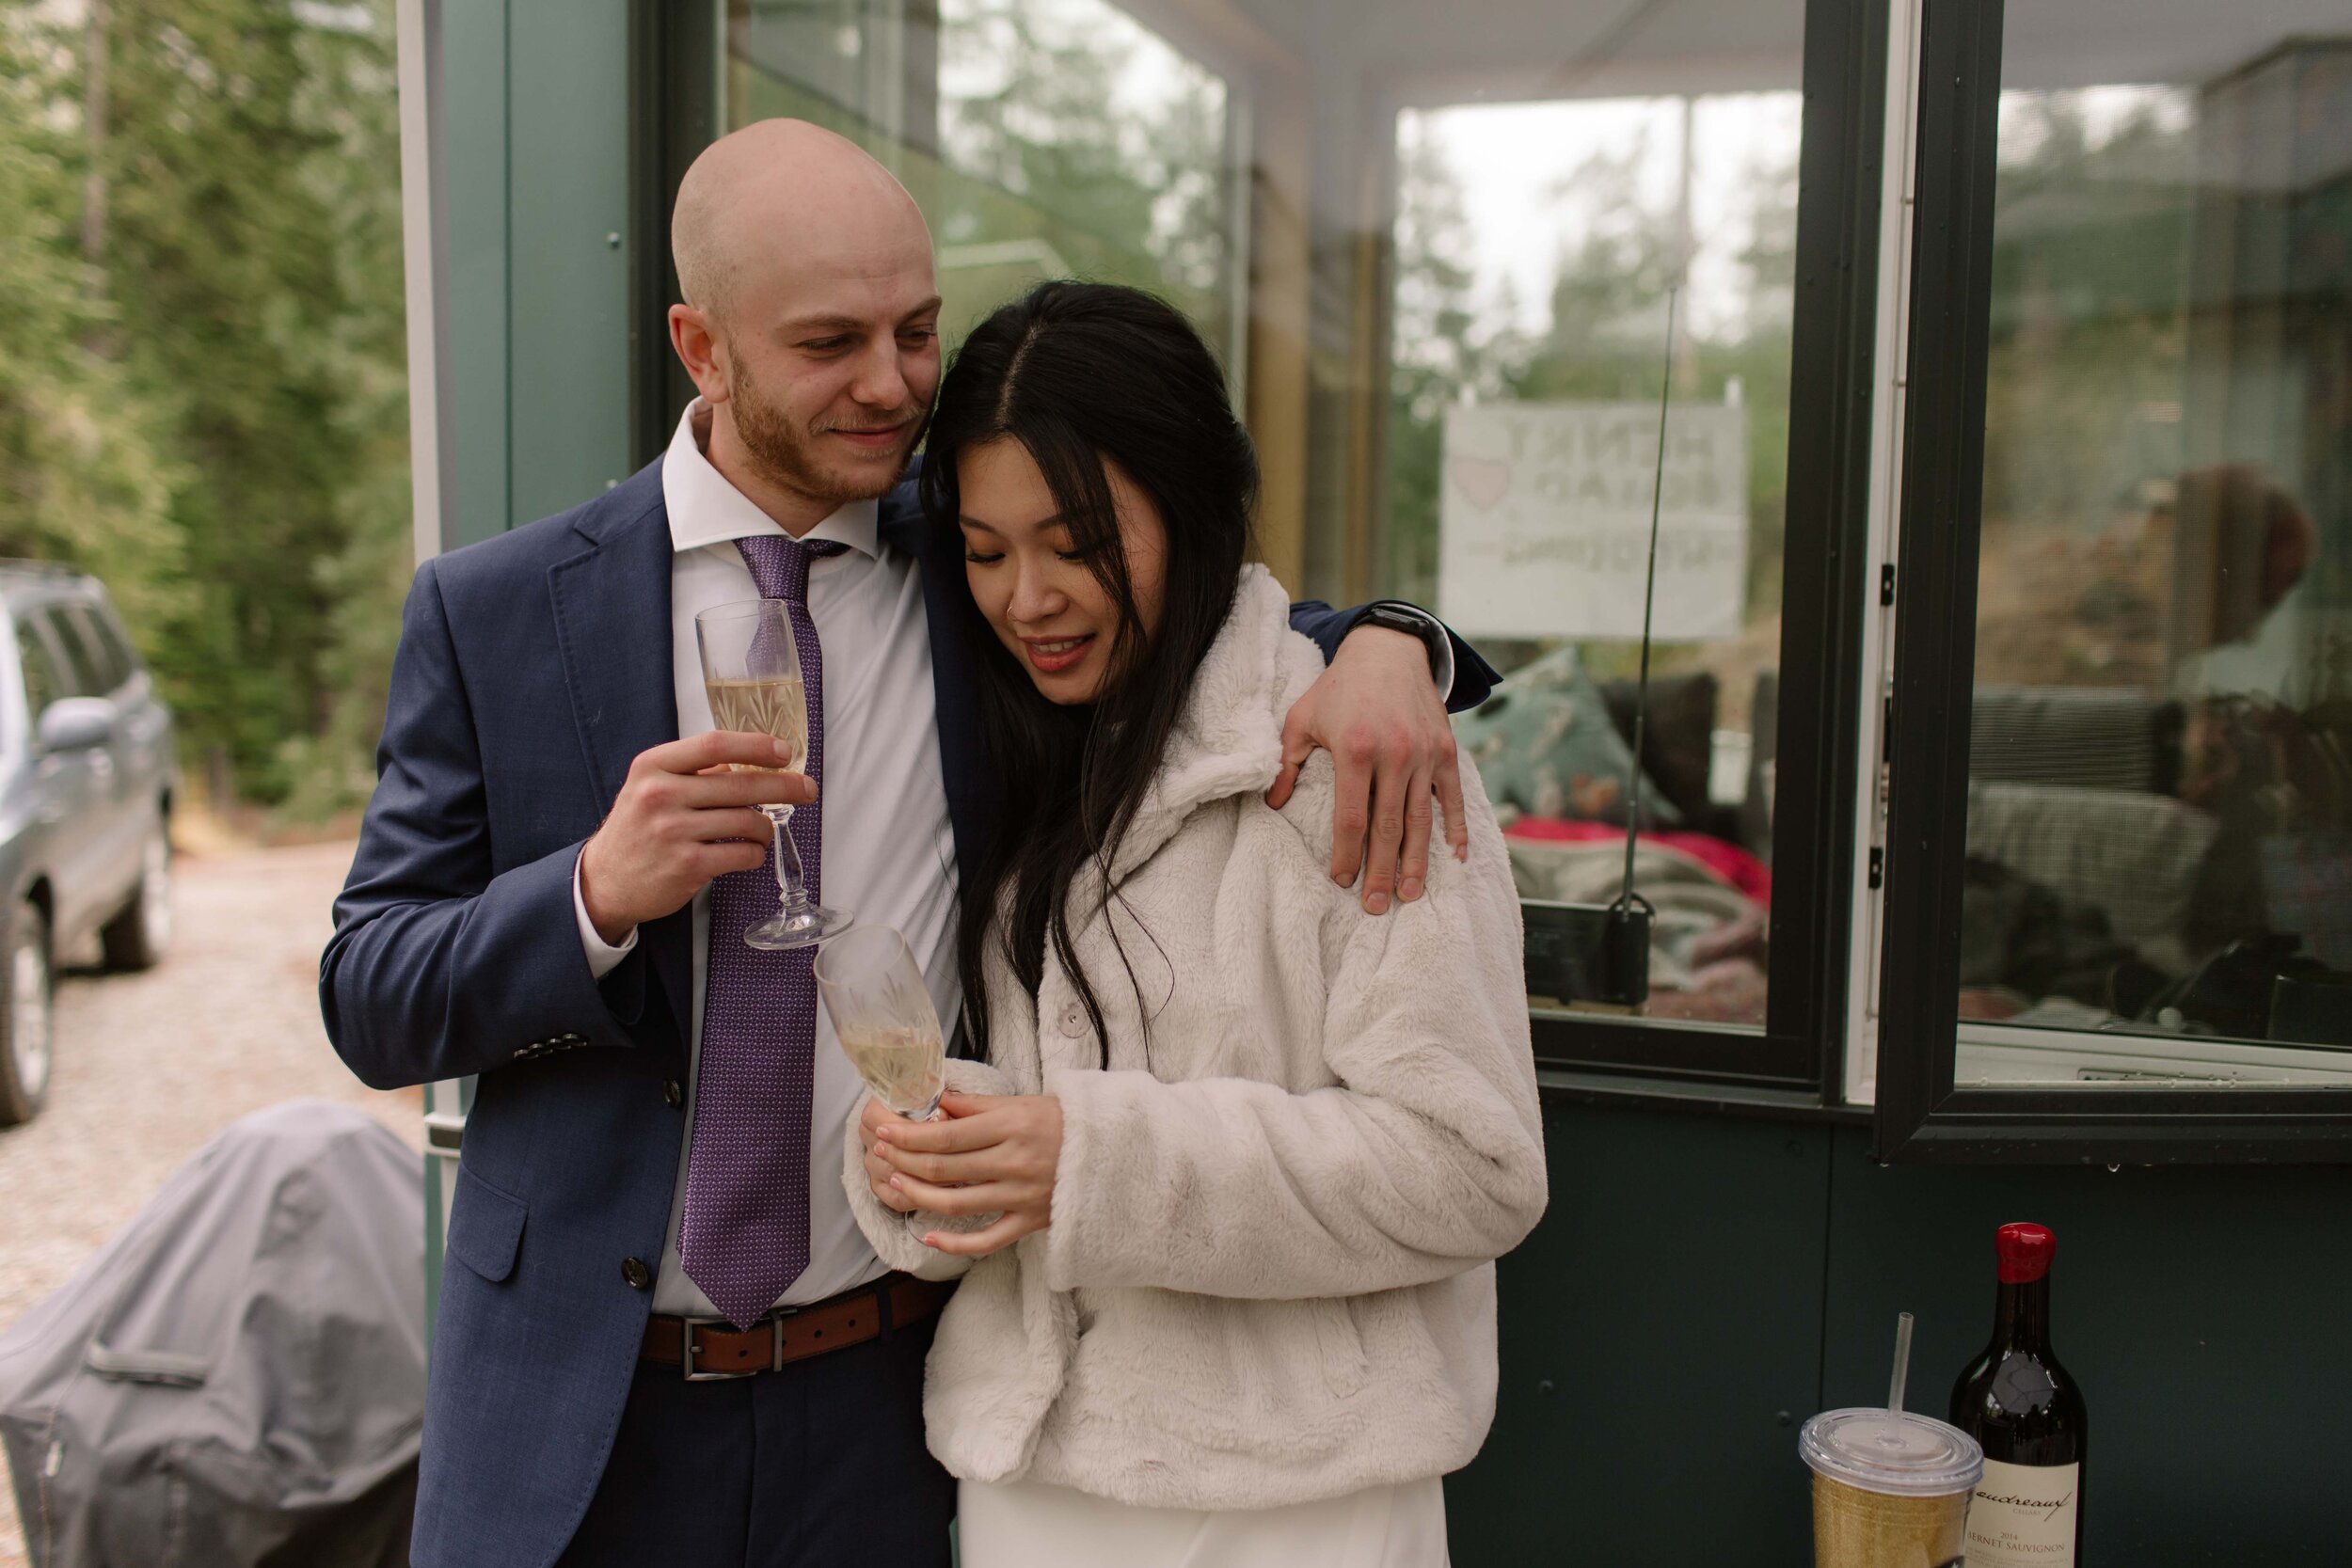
{"points": [[710, 1348]]}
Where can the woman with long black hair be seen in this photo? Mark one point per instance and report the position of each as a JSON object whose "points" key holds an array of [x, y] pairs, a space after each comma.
{"points": [[1231, 1198]]}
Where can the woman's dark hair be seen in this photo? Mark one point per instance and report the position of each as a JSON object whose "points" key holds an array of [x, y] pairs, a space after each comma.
{"points": [[1083, 374]]}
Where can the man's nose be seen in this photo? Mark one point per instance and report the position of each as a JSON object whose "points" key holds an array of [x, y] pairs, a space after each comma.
{"points": [[882, 381]]}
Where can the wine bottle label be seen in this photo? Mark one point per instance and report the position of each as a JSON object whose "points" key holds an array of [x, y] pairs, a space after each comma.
{"points": [[2024, 1513]]}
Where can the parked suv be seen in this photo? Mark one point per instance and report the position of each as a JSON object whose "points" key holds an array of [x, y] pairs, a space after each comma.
{"points": [[86, 787]]}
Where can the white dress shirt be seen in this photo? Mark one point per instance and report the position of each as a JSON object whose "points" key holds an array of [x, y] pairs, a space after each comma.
{"points": [[889, 852]]}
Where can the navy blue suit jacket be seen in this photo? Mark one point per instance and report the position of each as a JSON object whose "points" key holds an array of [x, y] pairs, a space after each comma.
{"points": [[531, 668]]}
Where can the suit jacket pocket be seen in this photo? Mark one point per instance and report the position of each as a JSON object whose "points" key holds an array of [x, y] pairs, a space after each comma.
{"points": [[485, 1227]]}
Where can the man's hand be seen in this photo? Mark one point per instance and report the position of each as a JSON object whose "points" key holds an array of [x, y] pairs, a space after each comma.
{"points": [[991, 1155], [682, 819], [1379, 716]]}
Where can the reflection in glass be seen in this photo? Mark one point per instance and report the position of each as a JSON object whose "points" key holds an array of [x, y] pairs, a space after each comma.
{"points": [[2160, 807], [1414, 227], [1535, 244], [1046, 139]]}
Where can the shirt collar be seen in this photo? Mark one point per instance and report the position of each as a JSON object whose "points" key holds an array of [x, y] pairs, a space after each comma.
{"points": [[705, 509]]}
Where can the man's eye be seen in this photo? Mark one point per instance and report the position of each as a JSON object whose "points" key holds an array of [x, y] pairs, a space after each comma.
{"points": [[920, 334], [826, 345]]}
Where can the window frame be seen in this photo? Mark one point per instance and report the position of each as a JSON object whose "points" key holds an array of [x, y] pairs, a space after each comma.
{"points": [[1824, 598], [1827, 602], [1923, 1115]]}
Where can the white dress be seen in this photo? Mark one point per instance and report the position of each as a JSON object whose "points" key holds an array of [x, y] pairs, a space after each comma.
{"points": [[1026, 1524]]}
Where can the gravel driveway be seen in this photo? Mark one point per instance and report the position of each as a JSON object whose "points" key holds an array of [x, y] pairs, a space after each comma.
{"points": [[151, 1065]]}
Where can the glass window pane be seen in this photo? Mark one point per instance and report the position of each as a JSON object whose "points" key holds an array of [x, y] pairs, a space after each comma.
{"points": [[1043, 138], [1535, 245], [1434, 244], [41, 686], [81, 664], [2159, 874], [106, 653]]}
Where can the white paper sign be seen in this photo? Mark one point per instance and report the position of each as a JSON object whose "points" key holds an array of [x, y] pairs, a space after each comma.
{"points": [[1544, 525]]}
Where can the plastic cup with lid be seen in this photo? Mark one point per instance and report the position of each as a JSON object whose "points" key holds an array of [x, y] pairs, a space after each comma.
{"points": [[1890, 1491]]}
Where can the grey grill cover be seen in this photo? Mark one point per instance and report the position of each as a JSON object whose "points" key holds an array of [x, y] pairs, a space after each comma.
{"points": [[238, 1377]]}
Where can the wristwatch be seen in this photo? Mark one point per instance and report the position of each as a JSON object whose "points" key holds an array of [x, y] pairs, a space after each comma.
{"points": [[1396, 615]]}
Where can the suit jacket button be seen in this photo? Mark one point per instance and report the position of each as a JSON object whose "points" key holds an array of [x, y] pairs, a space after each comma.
{"points": [[1073, 1021], [638, 1276], [672, 1094]]}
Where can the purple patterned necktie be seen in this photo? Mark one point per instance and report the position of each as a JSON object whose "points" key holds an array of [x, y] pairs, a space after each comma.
{"points": [[743, 1238]]}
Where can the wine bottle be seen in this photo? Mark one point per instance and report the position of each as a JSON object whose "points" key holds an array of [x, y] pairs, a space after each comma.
{"points": [[2021, 1405]]}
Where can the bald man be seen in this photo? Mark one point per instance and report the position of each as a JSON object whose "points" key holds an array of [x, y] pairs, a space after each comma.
{"points": [[661, 1339]]}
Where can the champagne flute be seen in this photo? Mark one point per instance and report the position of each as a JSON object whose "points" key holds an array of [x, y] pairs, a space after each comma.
{"points": [[882, 1014], [752, 669]]}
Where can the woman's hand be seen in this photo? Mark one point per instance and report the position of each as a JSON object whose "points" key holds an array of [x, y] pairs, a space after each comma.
{"points": [[878, 1170], [991, 1155]]}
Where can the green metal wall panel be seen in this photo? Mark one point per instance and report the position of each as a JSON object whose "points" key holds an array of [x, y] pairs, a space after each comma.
{"points": [[536, 107], [1661, 1335], [567, 300], [1699, 1274], [474, 196], [2203, 1309]]}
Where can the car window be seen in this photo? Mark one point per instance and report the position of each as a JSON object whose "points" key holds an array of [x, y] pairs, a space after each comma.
{"points": [[41, 686], [112, 660], [120, 655], [84, 674]]}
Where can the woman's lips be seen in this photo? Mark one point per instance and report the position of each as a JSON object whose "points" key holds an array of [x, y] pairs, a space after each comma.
{"points": [[1052, 654]]}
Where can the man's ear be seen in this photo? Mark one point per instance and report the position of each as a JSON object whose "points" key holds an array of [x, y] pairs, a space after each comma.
{"points": [[701, 350]]}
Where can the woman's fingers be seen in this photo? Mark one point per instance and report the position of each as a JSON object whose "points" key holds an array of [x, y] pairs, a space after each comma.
{"points": [[955, 1170], [980, 1198], [871, 1119], [979, 1244], [959, 1132], [877, 1174]]}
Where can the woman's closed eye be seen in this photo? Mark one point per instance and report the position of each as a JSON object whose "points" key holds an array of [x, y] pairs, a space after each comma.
{"points": [[982, 558]]}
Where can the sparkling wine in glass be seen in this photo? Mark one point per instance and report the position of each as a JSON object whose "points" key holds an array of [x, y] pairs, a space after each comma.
{"points": [[752, 669], [882, 1014]]}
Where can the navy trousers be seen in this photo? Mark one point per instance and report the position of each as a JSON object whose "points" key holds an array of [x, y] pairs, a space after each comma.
{"points": [[817, 1466]]}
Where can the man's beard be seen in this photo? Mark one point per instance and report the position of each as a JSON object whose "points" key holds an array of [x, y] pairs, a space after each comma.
{"points": [[792, 457]]}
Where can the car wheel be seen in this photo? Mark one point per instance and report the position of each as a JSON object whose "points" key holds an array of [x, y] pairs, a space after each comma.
{"points": [[27, 990], [135, 939]]}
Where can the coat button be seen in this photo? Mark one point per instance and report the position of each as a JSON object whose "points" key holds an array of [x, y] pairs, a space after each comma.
{"points": [[638, 1276], [1073, 1021], [672, 1094]]}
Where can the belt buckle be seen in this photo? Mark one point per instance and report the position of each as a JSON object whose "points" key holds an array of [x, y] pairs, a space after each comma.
{"points": [[775, 1348]]}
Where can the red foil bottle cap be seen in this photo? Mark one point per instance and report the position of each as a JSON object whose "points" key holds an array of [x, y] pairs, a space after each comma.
{"points": [[2024, 1252]]}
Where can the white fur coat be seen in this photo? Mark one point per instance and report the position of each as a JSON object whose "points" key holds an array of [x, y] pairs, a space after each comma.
{"points": [[1269, 1277]]}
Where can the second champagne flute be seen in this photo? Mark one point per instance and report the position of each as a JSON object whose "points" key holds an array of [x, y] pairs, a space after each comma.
{"points": [[752, 669], [884, 1018]]}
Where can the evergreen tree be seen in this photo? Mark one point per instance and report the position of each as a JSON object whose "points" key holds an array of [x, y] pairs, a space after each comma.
{"points": [[230, 167], [84, 476]]}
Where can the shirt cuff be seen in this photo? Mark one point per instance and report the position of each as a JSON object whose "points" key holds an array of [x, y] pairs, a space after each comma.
{"points": [[603, 957], [1440, 644]]}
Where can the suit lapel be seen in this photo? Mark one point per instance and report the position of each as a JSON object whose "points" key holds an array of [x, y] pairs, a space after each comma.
{"points": [[613, 627], [970, 784]]}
